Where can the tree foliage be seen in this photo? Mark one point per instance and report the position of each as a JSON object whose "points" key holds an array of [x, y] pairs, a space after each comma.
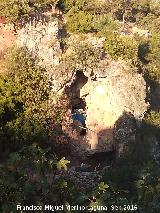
{"points": [[30, 177], [153, 58], [152, 121], [27, 112], [79, 21], [84, 57], [123, 47], [13, 10], [148, 189], [87, 16], [28, 182]]}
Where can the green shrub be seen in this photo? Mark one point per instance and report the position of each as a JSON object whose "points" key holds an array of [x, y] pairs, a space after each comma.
{"points": [[73, 4], [30, 80], [83, 21], [84, 16], [92, 6], [123, 47], [79, 22], [23, 179], [13, 10], [150, 22], [34, 176], [153, 58], [85, 57], [104, 24], [153, 119], [28, 108], [148, 189]]}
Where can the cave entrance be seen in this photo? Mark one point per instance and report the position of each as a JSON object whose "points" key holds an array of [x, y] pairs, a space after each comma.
{"points": [[76, 86], [78, 104]]}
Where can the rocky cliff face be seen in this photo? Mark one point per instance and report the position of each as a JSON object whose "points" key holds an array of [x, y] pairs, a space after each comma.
{"points": [[107, 98], [42, 41], [109, 89]]}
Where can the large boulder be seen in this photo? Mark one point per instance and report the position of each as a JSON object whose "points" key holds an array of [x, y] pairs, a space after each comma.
{"points": [[121, 90]]}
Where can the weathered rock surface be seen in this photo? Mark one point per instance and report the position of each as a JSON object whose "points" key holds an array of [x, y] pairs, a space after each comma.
{"points": [[124, 133], [110, 88], [41, 39], [107, 98]]}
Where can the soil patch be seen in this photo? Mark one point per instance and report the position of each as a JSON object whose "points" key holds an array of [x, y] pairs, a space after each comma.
{"points": [[7, 39]]}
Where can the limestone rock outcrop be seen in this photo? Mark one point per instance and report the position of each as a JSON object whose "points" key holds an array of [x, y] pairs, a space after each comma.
{"points": [[108, 98], [42, 41], [111, 88]]}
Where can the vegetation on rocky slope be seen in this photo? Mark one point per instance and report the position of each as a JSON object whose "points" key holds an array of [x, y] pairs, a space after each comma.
{"points": [[35, 151]]}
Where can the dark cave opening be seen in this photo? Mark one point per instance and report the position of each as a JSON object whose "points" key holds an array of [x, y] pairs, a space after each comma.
{"points": [[78, 104], [78, 107]]}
